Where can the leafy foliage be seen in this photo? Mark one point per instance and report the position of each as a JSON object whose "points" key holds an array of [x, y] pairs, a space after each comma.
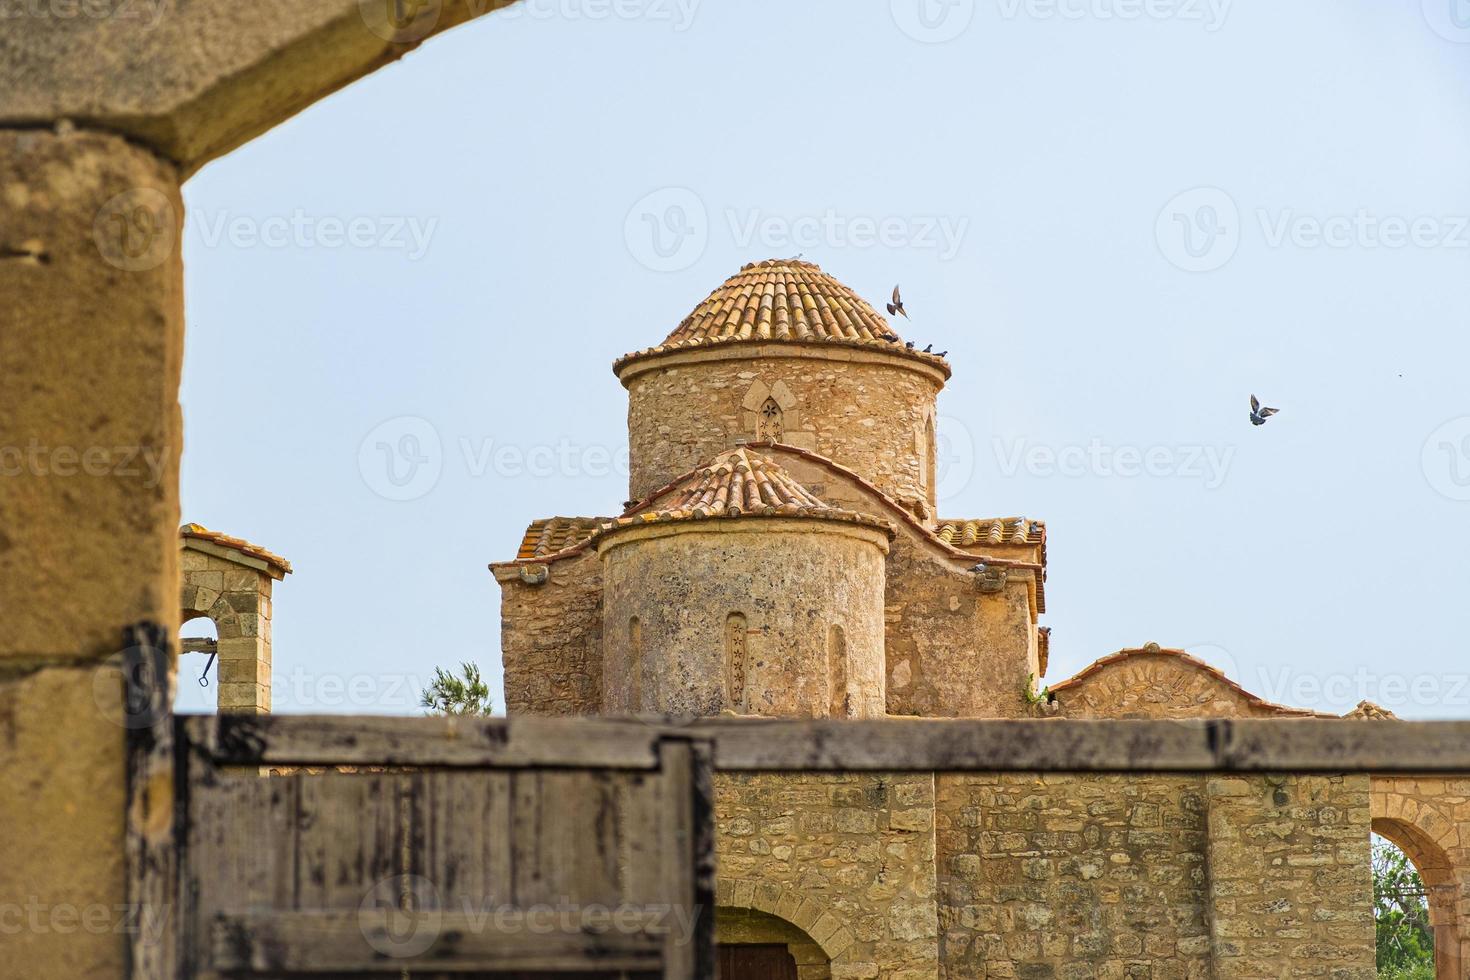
{"points": [[1401, 915], [449, 694]]}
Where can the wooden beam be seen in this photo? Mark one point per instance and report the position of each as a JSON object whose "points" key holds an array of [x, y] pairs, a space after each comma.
{"points": [[388, 942], [891, 744]]}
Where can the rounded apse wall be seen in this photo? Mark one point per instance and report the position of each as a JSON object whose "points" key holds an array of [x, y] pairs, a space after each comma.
{"points": [[781, 617]]}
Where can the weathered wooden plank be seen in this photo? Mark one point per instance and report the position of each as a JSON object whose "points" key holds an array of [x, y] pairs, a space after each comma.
{"points": [[149, 839], [500, 743], [677, 849], [446, 942], [1250, 745], [890, 744]]}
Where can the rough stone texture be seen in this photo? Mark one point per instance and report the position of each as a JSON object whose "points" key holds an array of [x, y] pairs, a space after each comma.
{"points": [[870, 411], [551, 637], [1072, 876], [61, 825], [237, 599], [90, 356], [1428, 817], [1159, 684], [846, 858], [90, 353], [953, 650], [1291, 890], [195, 78], [777, 617]]}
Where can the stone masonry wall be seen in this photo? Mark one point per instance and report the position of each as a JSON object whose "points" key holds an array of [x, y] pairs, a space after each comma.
{"points": [[848, 858], [551, 638], [1291, 887], [788, 587], [1072, 876], [953, 651], [237, 599], [866, 411]]}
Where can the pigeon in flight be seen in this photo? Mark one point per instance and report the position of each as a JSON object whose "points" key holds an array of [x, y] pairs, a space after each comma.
{"points": [[897, 305], [1259, 415]]}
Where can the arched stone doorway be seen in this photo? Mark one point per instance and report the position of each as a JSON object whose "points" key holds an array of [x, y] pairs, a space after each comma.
{"points": [[755, 945], [1430, 839]]}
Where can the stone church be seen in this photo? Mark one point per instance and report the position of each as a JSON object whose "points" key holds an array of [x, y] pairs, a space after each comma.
{"points": [[782, 555]]}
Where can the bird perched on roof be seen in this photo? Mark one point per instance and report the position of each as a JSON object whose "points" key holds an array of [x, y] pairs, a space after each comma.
{"points": [[1260, 414], [909, 345], [928, 348], [943, 353], [896, 306]]}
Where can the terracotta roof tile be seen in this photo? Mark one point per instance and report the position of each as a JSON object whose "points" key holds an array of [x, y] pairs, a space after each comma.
{"points": [[736, 483], [925, 530], [553, 534], [994, 530], [199, 532], [784, 300]]}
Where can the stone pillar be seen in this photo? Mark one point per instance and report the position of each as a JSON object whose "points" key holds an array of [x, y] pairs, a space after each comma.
{"points": [[1291, 890], [91, 332]]}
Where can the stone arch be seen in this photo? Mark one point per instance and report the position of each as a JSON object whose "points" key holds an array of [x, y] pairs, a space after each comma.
{"points": [[774, 905], [1418, 824]]}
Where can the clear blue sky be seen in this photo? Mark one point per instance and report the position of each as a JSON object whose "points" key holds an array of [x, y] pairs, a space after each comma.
{"points": [[1121, 218]]}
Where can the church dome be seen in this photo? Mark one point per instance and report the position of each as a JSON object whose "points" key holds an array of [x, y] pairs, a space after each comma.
{"points": [[783, 300]]}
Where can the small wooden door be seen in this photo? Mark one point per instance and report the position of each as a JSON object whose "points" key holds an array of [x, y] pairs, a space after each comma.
{"points": [[756, 962]]}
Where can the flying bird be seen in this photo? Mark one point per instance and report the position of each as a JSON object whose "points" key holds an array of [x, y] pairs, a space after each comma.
{"points": [[1259, 415], [897, 305]]}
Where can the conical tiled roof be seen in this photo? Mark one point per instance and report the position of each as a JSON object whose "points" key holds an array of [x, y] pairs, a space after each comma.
{"points": [[737, 483], [783, 300]]}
